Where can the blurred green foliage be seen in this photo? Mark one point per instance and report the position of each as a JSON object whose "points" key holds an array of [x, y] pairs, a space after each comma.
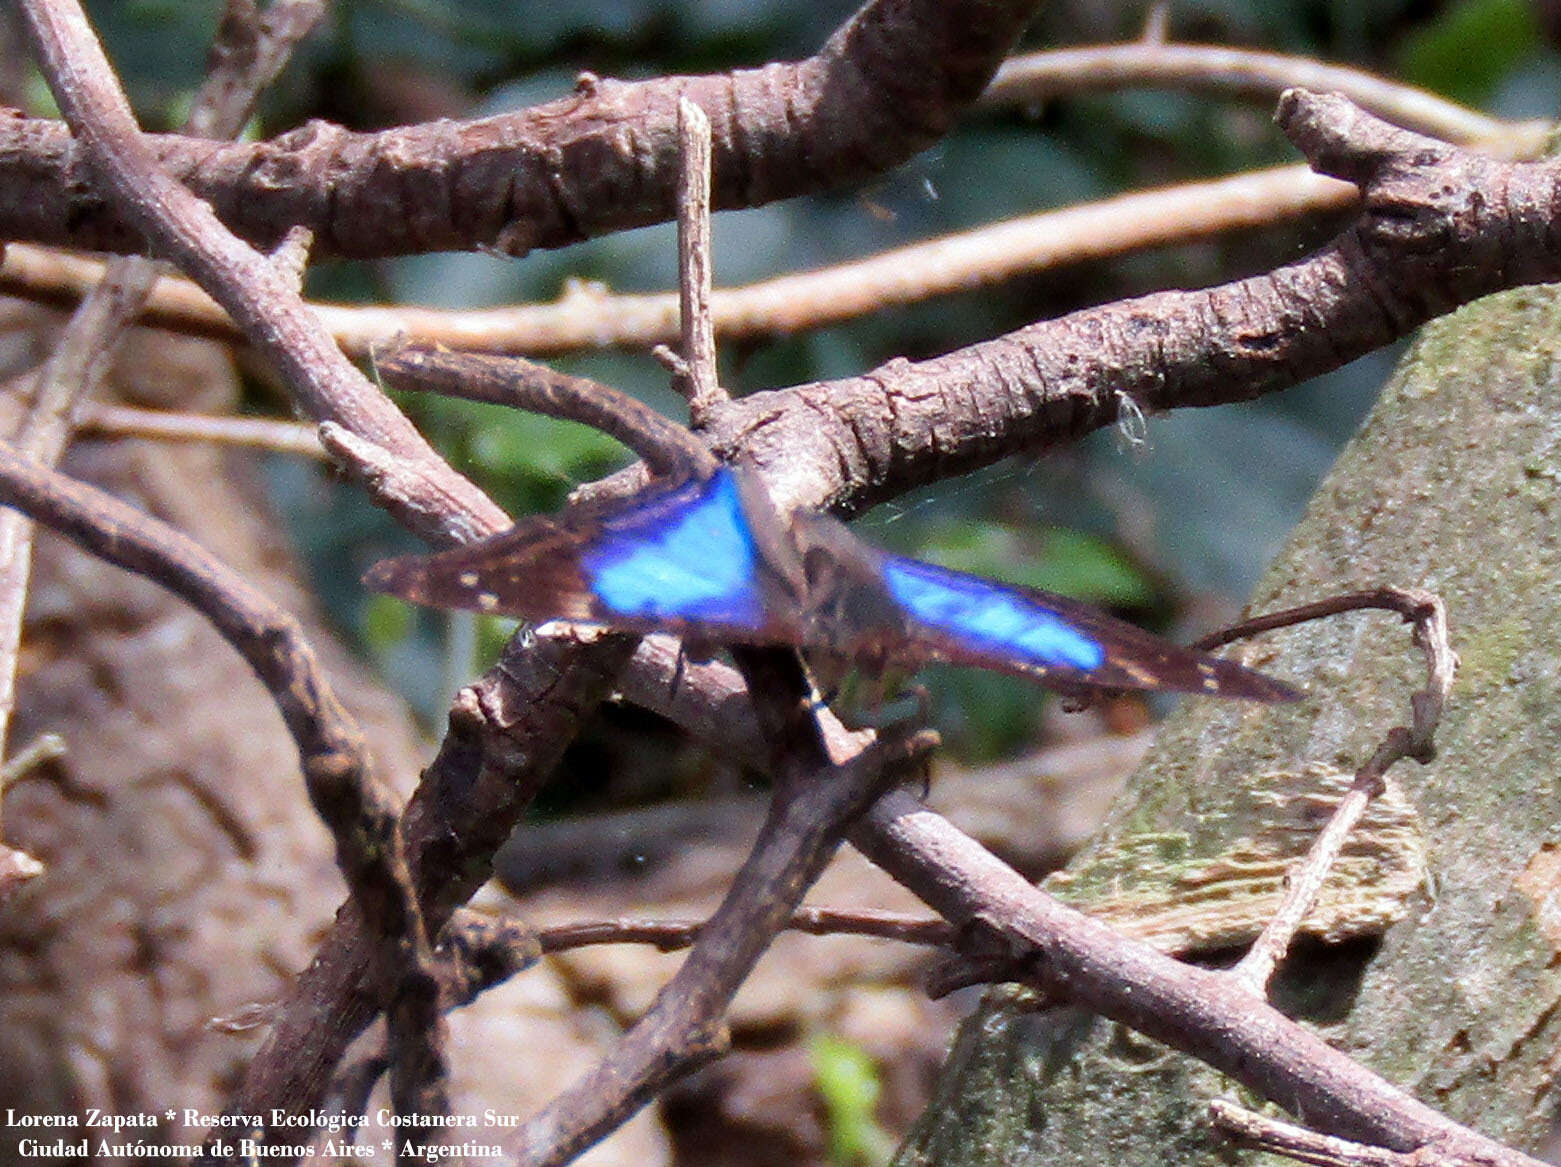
{"points": [[1467, 52], [848, 1084], [1194, 513]]}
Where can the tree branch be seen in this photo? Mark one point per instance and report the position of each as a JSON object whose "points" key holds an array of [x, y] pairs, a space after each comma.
{"points": [[588, 316], [1220, 71], [603, 159]]}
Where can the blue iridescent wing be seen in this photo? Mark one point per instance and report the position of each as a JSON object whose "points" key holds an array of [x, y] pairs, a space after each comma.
{"points": [[969, 620], [680, 556], [887, 611]]}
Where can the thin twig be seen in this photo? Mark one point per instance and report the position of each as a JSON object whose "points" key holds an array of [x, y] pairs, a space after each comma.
{"points": [[475, 934], [44, 748], [1304, 884], [1282, 1138], [1257, 76], [695, 264], [588, 316], [252, 47], [670, 935], [667, 448], [261, 433]]}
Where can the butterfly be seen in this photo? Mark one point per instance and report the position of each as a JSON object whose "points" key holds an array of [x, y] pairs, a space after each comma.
{"points": [[711, 558]]}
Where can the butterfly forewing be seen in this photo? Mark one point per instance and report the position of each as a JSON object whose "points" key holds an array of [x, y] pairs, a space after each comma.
{"points": [[679, 556], [531, 571], [969, 620], [686, 555]]}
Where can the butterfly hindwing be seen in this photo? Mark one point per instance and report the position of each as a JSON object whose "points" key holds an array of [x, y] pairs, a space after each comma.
{"points": [[679, 556]]}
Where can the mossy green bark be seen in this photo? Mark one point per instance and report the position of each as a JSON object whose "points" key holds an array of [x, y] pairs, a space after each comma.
{"points": [[1453, 484]]}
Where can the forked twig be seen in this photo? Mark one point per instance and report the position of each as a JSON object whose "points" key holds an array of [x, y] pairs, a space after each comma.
{"points": [[1306, 880], [1262, 1133]]}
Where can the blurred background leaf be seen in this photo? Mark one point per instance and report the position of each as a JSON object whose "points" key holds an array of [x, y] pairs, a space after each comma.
{"points": [[849, 1085]]}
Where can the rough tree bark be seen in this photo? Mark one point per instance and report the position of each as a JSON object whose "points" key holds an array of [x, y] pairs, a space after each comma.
{"points": [[1452, 485]]}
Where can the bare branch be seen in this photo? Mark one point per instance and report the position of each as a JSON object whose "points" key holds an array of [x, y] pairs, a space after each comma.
{"points": [[602, 159], [491, 951], [1283, 1138], [1305, 882], [251, 49], [670, 935], [668, 448], [261, 433]]}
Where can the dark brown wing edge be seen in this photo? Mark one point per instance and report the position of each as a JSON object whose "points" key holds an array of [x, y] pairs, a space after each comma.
{"points": [[531, 571]]}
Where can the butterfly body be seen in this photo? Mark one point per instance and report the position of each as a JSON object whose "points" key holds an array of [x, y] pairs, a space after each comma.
{"points": [[712, 559]]}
